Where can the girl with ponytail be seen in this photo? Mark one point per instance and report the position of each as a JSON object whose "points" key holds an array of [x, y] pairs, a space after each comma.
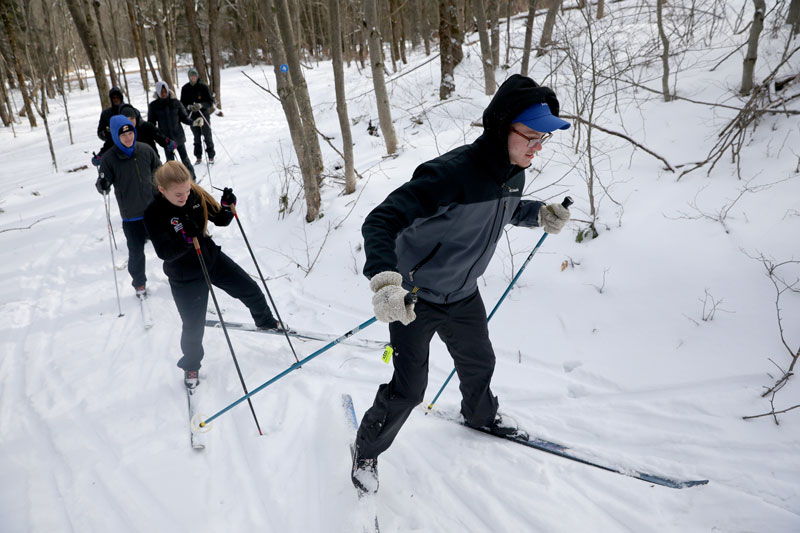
{"points": [[180, 211]]}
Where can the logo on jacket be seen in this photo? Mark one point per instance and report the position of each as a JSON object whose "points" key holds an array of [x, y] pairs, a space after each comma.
{"points": [[176, 224]]}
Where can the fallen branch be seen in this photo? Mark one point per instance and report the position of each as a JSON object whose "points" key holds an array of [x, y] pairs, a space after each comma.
{"points": [[27, 227], [622, 136]]}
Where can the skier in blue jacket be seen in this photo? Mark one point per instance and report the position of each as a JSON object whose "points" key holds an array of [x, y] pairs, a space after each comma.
{"points": [[129, 167]]}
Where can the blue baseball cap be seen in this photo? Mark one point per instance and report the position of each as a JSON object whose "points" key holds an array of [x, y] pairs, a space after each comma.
{"points": [[538, 117]]}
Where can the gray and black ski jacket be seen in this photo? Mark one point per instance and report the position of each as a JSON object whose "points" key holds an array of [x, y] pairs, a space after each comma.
{"points": [[132, 178], [440, 229]]}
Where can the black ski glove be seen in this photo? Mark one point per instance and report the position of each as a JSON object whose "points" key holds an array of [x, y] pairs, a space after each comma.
{"points": [[228, 198], [102, 184], [191, 229]]}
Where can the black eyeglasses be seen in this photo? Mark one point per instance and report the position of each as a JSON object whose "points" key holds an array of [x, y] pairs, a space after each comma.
{"points": [[532, 141]]}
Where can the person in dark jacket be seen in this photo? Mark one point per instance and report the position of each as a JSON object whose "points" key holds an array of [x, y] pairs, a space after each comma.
{"points": [[129, 167], [117, 98], [437, 233], [166, 112], [196, 96], [145, 133], [180, 212]]}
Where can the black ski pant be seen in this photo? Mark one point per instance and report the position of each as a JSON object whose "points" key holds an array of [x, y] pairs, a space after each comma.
{"points": [[205, 132], [463, 328], [191, 298], [135, 237], [184, 158]]}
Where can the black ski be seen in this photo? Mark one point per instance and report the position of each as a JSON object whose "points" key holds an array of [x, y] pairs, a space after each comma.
{"points": [[350, 413], [302, 335], [197, 439], [568, 453]]}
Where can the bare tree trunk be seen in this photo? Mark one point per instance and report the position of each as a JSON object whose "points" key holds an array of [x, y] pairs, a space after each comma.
{"points": [[752, 46], [341, 97], [106, 49], [146, 52], [291, 108], [162, 50], [137, 45], [84, 22], [378, 81], [601, 9], [486, 48], [195, 39], [449, 46], [793, 17], [289, 103], [6, 14], [51, 47], [426, 25], [213, 50], [508, 32], [387, 5], [299, 83], [547, 29], [493, 7], [526, 48], [665, 46], [4, 116], [42, 113]]}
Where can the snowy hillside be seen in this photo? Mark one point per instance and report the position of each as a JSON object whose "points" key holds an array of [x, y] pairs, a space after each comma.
{"points": [[615, 355]]}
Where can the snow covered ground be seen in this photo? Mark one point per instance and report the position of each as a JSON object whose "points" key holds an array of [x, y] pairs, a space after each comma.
{"points": [[610, 356]]}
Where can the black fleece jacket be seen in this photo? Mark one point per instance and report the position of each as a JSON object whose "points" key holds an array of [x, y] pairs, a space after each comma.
{"points": [[164, 222], [440, 229]]}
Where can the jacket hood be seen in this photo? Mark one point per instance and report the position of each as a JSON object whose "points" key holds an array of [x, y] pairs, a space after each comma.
{"points": [[117, 121], [163, 85], [116, 91], [514, 96]]}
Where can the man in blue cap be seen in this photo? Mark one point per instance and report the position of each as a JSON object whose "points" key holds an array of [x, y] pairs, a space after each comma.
{"points": [[129, 167], [438, 232]]}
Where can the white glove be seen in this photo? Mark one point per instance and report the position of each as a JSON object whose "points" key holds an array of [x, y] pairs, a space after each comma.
{"points": [[552, 217], [198, 122], [389, 300]]}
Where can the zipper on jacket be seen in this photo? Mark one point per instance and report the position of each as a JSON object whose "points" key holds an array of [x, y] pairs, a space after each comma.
{"points": [[424, 260]]}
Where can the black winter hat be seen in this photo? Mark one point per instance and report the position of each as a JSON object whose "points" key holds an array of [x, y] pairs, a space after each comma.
{"points": [[125, 128], [116, 91], [127, 110]]}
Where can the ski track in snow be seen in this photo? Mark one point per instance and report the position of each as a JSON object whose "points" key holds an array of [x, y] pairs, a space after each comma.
{"points": [[94, 435]]}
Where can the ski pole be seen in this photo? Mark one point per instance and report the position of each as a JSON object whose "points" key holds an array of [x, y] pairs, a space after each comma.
{"points": [[263, 281], [218, 140], [410, 298], [108, 219], [566, 203], [224, 329], [111, 247]]}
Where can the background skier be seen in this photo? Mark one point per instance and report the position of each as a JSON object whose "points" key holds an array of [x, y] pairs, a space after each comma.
{"points": [[166, 112], [197, 98], [117, 98], [129, 167]]}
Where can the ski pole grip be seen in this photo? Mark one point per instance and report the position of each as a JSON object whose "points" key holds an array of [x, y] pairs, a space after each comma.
{"points": [[567, 201], [411, 297]]}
